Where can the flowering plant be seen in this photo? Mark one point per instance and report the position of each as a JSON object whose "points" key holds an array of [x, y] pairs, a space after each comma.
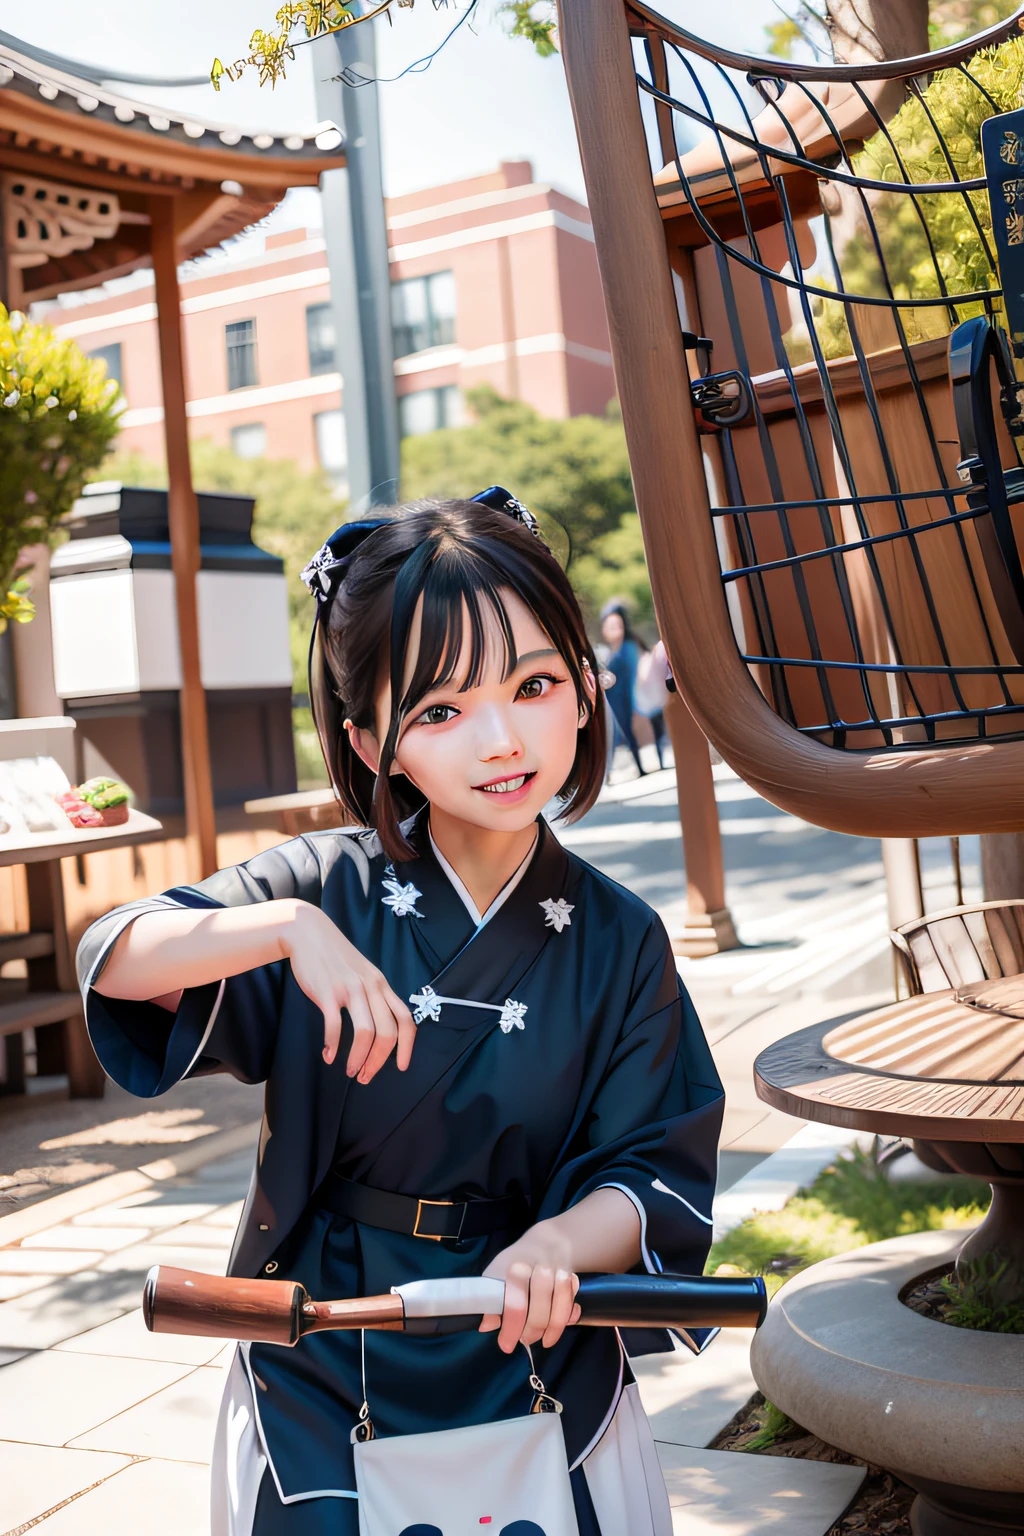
{"points": [[58, 417]]}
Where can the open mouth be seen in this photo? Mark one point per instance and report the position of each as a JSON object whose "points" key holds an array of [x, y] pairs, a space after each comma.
{"points": [[507, 786]]}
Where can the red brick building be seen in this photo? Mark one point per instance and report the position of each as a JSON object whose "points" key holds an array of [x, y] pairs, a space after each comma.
{"points": [[494, 280]]}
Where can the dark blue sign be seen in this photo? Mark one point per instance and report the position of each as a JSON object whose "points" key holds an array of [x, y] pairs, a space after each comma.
{"points": [[1002, 145]]}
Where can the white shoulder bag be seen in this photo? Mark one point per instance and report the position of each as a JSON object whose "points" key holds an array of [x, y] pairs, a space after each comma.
{"points": [[510, 1478]]}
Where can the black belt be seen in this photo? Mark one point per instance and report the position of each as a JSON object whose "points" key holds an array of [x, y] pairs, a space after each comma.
{"points": [[436, 1220]]}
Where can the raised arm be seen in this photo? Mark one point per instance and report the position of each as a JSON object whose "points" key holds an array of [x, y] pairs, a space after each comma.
{"points": [[163, 953]]}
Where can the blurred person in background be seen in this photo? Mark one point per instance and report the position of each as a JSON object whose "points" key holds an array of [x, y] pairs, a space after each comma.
{"points": [[651, 692], [623, 660]]}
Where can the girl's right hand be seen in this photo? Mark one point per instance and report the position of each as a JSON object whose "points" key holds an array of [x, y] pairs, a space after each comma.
{"points": [[334, 975]]}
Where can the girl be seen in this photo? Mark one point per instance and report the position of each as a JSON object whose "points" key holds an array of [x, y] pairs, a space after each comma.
{"points": [[478, 1057]]}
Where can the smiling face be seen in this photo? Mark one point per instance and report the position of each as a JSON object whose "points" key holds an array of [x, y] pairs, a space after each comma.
{"points": [[493, 754]]}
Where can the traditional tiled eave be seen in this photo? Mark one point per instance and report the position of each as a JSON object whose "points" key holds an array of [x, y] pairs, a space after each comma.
{"points": [[223, 178]]}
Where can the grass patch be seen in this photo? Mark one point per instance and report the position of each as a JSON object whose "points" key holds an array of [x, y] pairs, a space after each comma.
{"points": [[850, 1204]]}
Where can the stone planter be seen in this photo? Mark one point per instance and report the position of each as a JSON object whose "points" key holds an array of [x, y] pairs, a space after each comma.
{"points": [[942, 1407]]}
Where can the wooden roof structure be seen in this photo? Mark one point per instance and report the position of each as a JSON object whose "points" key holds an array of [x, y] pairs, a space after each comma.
{"points": [[95, 184], [56, 128]]}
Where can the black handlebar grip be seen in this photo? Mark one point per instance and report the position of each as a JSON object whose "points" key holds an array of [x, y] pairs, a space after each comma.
{"points": [[672, 1301]]}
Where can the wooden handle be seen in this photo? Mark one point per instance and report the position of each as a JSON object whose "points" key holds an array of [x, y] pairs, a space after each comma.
{"points": [[223, 1307]]}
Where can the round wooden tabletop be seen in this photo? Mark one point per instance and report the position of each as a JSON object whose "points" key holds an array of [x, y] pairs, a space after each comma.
{"points": [[946, 1066]]}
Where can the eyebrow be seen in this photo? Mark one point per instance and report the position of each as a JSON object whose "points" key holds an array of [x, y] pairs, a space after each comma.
{"points": [[532, 656]]}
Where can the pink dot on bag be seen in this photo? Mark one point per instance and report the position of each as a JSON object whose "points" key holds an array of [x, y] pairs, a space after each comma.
{"points": [[485, 1519]]}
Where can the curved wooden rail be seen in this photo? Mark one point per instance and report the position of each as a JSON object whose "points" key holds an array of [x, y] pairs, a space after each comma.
{"points": [[912, 793], [643, 18]]}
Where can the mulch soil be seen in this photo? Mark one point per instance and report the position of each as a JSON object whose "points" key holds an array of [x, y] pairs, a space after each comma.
{"points": [[881, 1508]]}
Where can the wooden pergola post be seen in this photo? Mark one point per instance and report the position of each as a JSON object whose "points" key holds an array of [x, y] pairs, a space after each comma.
{"points": [[183, 516], [708, 926]]}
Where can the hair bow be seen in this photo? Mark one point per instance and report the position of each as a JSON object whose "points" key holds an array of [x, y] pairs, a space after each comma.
{"points": [[324, 573], [499, 500]]}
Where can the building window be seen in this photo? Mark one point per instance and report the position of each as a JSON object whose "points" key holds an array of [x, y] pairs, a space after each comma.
{"points": [[249, 441], [320, 338], [240, 339], [111, 355], [423, 312], [427, 410], [331, 444]]}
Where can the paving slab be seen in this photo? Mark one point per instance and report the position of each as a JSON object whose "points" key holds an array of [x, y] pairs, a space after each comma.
{"points": [[58, 1309], [690, 1398], [39, 1477], [730, 1493], [129, 1338], [151, 1210], [47, 1261], [19, 1285], [8, 1356], [68, 1235], [139, 1259], [195, 1234], [178, 1422], [225, 1216], [161, 1498], [50, 1398]]}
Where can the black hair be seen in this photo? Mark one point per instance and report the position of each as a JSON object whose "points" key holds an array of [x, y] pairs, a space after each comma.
{"points": [[459, 556]]}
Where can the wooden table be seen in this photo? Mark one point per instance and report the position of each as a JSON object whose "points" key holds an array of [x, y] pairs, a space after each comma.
{"points": [[945, 1069], [307, 810], [51, 996]]}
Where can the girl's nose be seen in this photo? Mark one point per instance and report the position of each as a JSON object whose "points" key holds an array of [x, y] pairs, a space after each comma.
{"points": [[495, 736]]}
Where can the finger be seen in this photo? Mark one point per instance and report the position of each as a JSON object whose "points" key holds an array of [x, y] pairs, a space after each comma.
{"points": [[517, 1302], [362, 1028], [563, 1304], [332, 1027], [538, 1316], [489, 1322], [406, 1030], [385, 1037]]}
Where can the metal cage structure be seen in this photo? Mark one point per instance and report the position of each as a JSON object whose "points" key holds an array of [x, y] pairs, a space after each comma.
{"points": [[818, 377]]}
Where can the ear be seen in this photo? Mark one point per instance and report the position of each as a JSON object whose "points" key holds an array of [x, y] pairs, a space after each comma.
{"points": [[589, 693], [364, 744]]}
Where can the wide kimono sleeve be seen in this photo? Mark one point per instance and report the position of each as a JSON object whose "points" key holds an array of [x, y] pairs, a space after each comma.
{"points": [[228, 1025], [652, 1126]]}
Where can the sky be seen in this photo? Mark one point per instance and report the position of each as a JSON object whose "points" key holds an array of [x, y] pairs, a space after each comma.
{"points": [[484, 99]]}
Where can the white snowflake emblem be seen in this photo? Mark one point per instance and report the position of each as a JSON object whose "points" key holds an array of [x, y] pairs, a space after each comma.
{"points": [[427, 1005], [512, 1016], [403, 898], [556, 913]]}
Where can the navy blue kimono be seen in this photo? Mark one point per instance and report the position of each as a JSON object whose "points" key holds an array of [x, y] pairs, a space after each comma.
{"points": [[557, 1053]]}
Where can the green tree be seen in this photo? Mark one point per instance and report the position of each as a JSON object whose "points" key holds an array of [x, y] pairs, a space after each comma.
{"points": [[573, 473]]}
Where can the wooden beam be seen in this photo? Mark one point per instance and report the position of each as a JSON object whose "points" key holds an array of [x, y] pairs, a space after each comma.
{"points": [[923, 792], [183, 512], [708, 926]]}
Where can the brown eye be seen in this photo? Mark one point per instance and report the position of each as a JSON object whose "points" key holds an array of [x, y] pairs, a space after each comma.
{"points": [[531, 689]]}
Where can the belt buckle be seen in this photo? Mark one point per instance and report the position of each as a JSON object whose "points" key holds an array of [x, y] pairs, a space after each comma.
{"points": [[431, 1237]]}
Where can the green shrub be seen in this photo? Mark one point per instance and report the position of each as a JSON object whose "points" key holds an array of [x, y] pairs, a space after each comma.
{"points": [[850, 1204], [58, 417]]}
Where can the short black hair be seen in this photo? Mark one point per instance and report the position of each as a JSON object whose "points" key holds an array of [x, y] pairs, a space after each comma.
{"points": [[459, 557]]}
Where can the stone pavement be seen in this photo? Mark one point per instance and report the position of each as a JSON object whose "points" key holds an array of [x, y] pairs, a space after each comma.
{"points": [[105, 1428]]}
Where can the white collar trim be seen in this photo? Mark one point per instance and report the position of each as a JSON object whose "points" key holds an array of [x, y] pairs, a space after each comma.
{"points": [[463, 894]]}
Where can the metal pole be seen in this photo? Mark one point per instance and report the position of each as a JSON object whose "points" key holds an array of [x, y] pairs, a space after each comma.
{"points": [[357, 258]]}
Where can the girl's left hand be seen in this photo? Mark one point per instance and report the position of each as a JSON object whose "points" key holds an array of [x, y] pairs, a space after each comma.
{"points": [[540, 1289]]}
